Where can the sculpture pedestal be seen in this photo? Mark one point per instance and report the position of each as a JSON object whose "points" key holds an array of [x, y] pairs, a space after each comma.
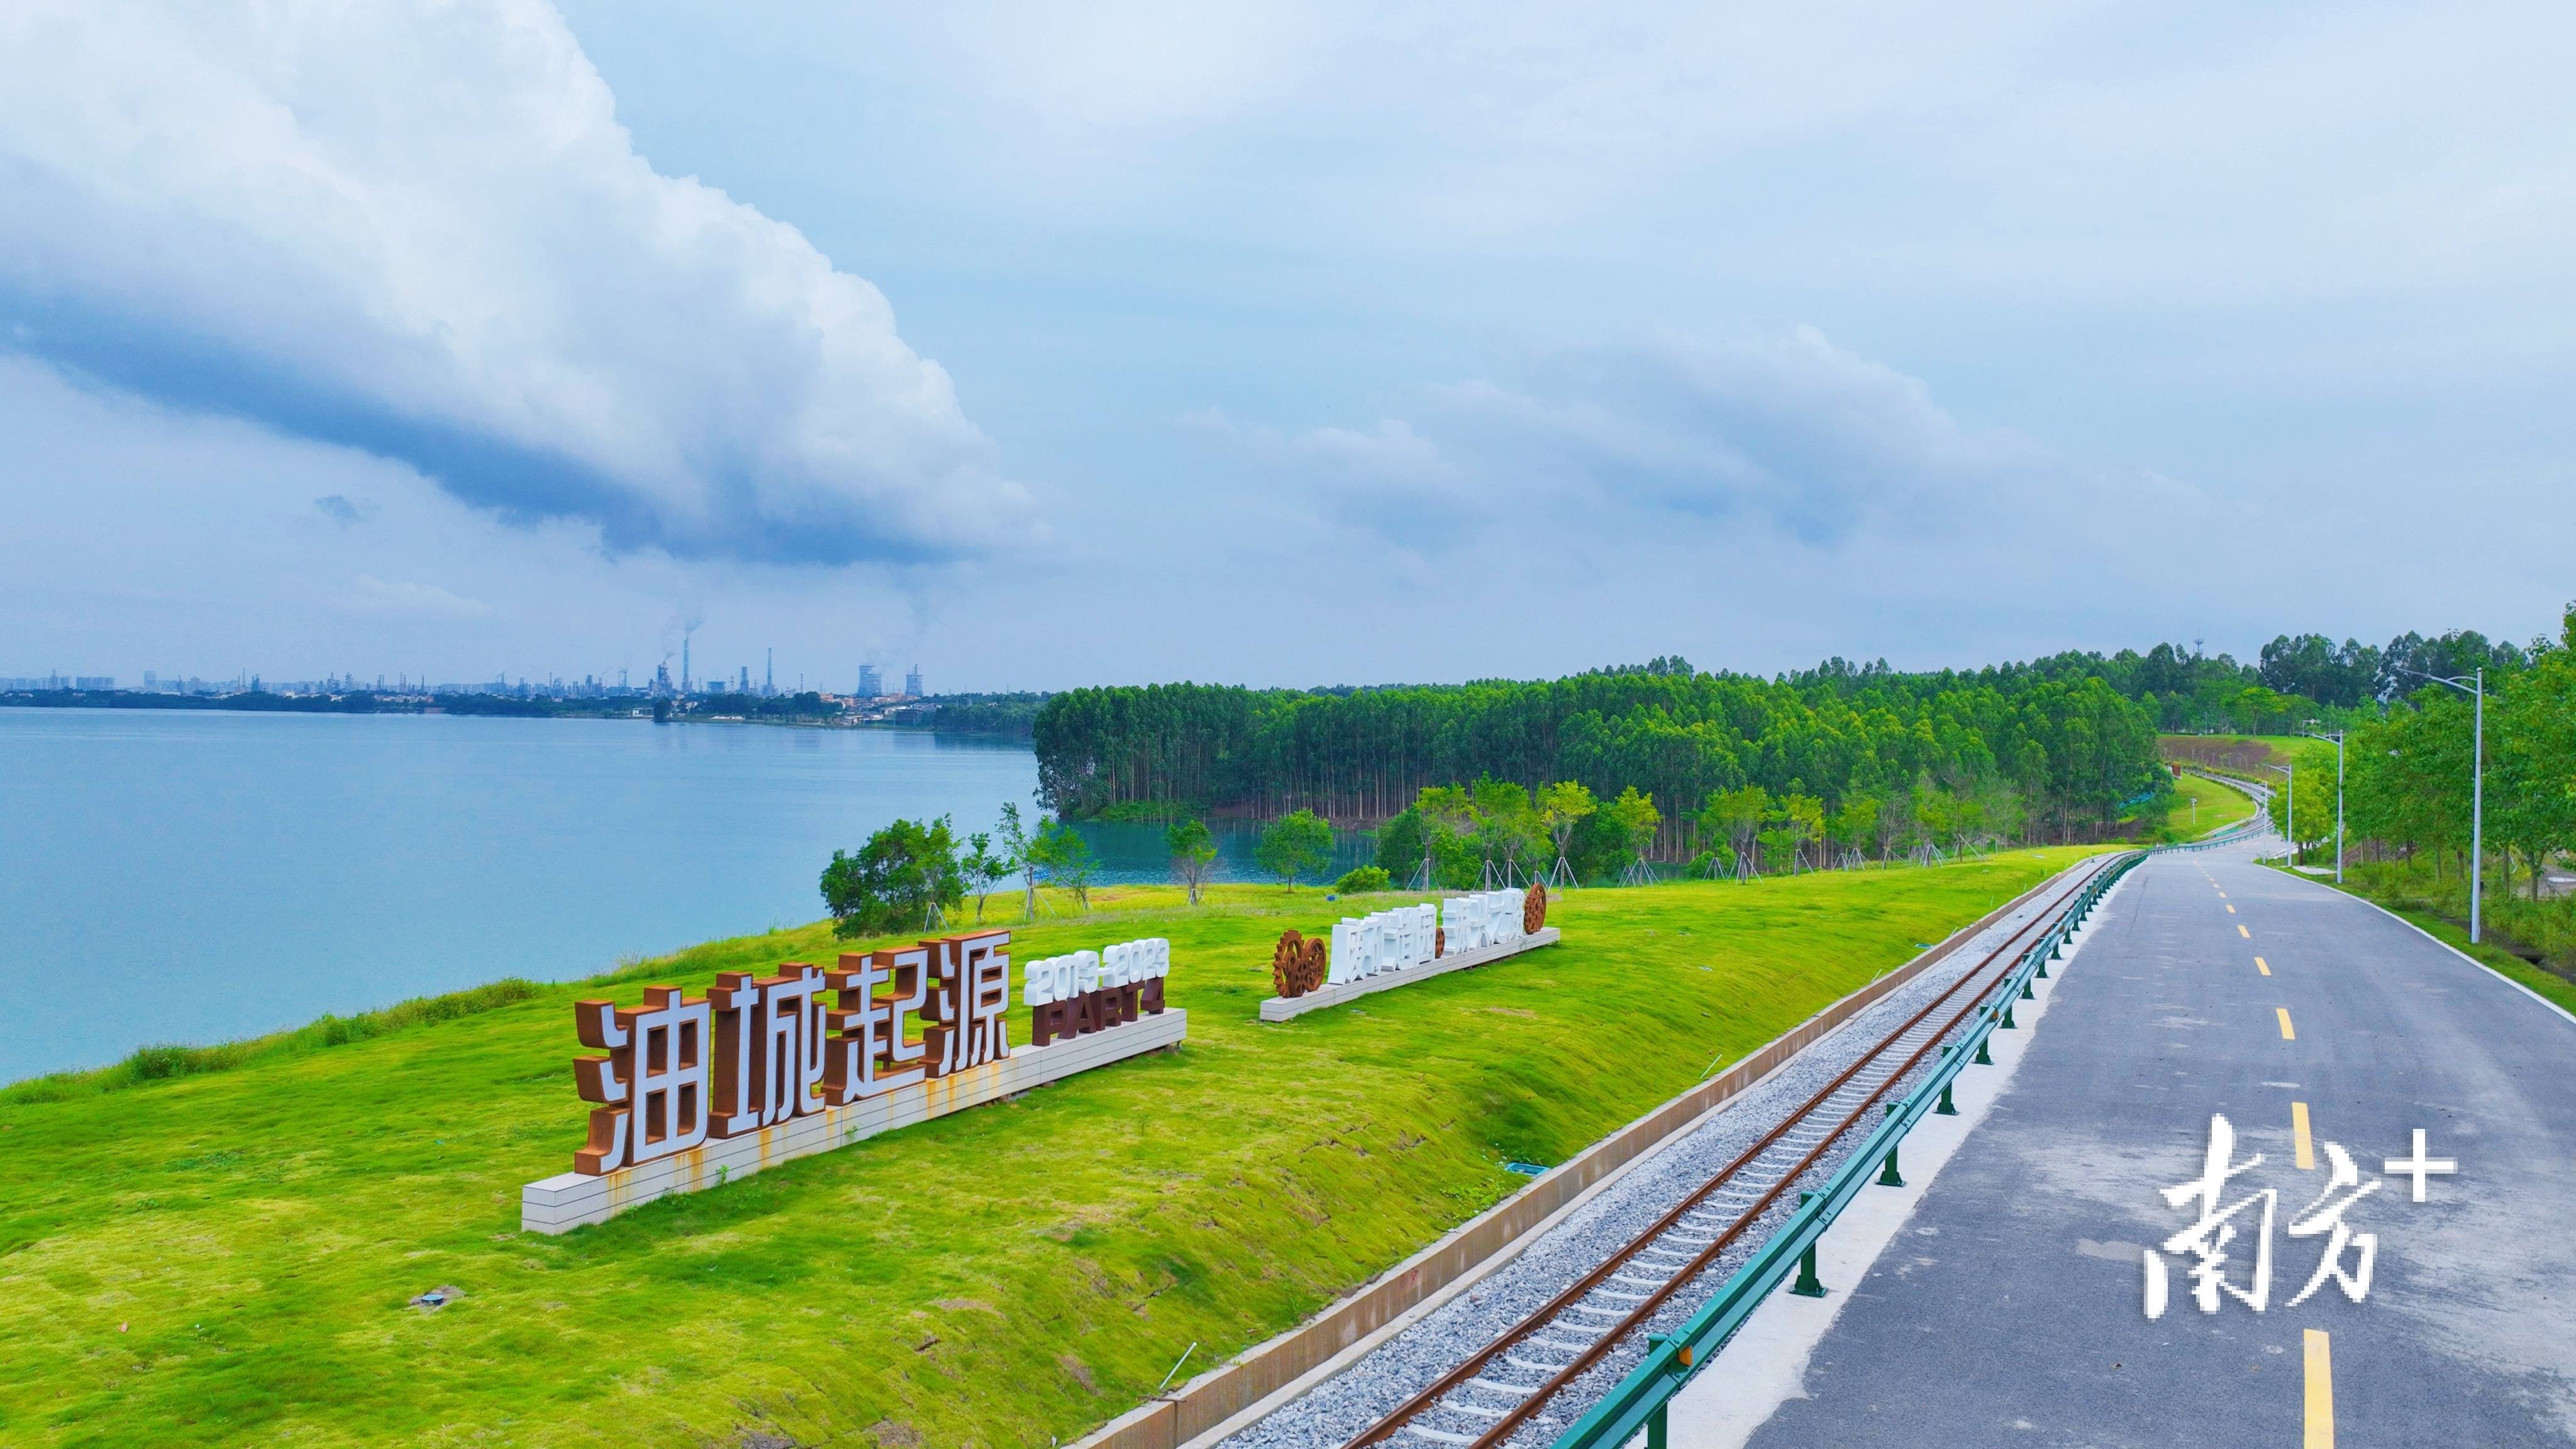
{"points": [[1281, 1008], [567, 1200]]}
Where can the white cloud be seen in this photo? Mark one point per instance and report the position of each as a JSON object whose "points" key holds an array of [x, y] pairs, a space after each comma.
{"points": [[411, 601], [1781, 427], [418, 228]]}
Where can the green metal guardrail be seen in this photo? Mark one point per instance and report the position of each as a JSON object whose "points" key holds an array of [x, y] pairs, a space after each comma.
{"points": [[1640, 1400], [2232, 835]]}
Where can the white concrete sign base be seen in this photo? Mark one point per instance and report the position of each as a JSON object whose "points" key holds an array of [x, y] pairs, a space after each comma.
{"points": [[1280, 1008], [568, 1200]]}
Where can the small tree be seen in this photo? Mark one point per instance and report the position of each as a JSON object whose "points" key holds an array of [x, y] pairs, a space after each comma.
{"points": [[1802, 818], [1193, 848], [1066, 857], [1856, 823], [983, 867], [1509, 824], [1297, 842], [1446, 812], [1401, 848], [905, 873], [1635, 817], [1562, 807], [1735, 817], [1021, 851]]}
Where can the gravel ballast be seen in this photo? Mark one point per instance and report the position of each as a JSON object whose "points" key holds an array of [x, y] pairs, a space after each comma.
{"points": [[1334, 1410]]}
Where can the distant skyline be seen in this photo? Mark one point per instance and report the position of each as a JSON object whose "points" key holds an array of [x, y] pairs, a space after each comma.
{"points": [[1276, 344]]}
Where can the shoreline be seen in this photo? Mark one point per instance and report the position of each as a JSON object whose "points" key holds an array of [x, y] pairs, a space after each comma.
{"points": [[493, 706]]}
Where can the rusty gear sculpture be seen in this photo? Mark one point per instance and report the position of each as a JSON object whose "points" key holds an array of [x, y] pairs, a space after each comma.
{"points": [[1534, 909], [1299, 964]]}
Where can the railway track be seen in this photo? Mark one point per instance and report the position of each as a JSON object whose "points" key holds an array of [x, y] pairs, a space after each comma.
{"points": [[1517, 1380]]}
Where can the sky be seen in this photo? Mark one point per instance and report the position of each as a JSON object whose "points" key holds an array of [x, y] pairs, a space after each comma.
{"points": [[1053, 344]]}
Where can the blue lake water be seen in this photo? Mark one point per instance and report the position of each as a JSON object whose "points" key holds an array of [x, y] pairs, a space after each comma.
{"points": [[171, 876]]}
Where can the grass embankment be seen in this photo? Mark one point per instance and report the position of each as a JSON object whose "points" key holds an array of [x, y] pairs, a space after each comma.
{"points": [[2206, 808], [226, 1256]]}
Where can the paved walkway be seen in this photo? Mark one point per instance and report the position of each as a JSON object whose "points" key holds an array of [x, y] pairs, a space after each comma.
{"points": [[2010, 1309]]}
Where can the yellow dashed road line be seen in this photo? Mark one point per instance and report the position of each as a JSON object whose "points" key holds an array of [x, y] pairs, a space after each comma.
{"points": [[2231, 910], [2259, 966], [2240, 930], [2320, 1358], [2286, 1033], [2307, 1155]]}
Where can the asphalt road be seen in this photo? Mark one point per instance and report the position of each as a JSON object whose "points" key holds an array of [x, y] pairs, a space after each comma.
{"points": [[2010, 1309]]}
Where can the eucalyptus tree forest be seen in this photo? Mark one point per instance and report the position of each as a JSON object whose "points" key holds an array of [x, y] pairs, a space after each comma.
{"points": [[2023, 754]]}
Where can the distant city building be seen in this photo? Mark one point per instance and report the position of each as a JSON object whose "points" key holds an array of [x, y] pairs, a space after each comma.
{"points": [[912, 683], [871, 684]]}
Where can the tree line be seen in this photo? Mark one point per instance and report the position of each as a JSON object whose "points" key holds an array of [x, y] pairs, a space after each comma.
{"points": [[2408, 773], [2295, 678], [2025, 753]]}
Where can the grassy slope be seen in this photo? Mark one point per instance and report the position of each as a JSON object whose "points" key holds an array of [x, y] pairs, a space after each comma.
{"points": [[2220, 807], [227, 1256]]}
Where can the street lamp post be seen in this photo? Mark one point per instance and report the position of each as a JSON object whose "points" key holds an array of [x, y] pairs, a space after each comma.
{"points": [[2337, 737], [2476, 688]]}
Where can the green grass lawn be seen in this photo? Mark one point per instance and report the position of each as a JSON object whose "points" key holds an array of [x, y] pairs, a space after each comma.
{"points": [[2217, 808], [225, 1257]]}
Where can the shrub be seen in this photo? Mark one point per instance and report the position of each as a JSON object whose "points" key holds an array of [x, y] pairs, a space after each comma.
{"points": [[1363, 880]]}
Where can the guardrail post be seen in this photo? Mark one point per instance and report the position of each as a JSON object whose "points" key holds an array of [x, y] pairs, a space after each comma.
{"points": [[1655, 1429], [2007, 1023], [1946, 1109], [2026, 993], [1808, 1284], [1981, 1059], [1888, 1176]]}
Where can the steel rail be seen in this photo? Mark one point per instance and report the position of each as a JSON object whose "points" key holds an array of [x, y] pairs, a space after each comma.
{"points": [[1531, 1325], [1638, 1401]]}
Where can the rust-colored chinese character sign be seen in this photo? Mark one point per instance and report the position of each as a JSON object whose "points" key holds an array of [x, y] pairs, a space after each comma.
{"points": [[869, 1052], [762, 1051], [651, 1087], [768, 1047], [967, 1006]]}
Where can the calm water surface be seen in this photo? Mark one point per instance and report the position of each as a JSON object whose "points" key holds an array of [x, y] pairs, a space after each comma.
{"points": [[173, 876], [169, 876]]}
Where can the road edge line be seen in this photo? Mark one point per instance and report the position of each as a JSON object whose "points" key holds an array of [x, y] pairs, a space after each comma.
{"points": [[2483, 968]]}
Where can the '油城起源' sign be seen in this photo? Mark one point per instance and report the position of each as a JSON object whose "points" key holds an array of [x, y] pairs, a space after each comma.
{"points": [[689, 1093]]}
